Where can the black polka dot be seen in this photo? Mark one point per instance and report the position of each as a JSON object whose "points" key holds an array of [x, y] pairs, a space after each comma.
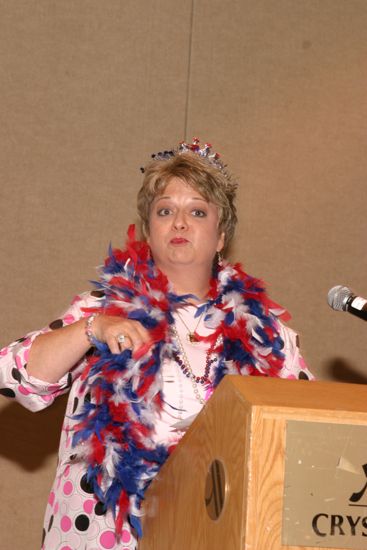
{"points": [[72, 457], [56, 324], [99, 509], [87, 398], [75, 404], [50, 523], [16, 374], [90, 351], [97, 293], [303, 376], [43, 536], [7, 392], [85, 485], [69, 380], [82, 522], [20, 340]]}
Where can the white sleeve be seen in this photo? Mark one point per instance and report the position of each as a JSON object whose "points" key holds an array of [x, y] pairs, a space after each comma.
{"points": [[32, 393]]}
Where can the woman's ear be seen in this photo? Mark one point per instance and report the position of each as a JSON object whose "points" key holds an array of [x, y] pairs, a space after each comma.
{"points": [[221, 241]]}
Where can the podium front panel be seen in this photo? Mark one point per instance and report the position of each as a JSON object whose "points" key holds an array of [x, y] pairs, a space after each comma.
{"points": [[245, 426]]}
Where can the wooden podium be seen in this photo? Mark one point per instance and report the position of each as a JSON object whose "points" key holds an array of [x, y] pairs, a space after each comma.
{"points": [[263, 456]]}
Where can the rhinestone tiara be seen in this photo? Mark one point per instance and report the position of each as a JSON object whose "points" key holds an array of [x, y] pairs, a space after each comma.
{"points": [[204, 152]]}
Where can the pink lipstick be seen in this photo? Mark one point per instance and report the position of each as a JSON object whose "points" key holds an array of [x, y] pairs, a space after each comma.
{"points": [[179, 240]]}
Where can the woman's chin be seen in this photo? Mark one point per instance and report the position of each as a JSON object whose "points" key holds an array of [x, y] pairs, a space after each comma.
{"points": [[177, 258]]}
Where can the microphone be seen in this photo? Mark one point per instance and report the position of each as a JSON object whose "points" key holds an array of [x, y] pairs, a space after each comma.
{"points": [[341, 298]]}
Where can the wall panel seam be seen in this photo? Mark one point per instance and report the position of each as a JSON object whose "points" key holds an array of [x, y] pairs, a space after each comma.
{"points": [[188, 80]]}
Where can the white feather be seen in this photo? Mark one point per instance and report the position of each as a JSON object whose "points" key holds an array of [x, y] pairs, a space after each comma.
{"points": [[213, 318]]}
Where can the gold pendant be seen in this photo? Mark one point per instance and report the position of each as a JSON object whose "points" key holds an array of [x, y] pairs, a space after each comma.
{"points": [[192, 338]]}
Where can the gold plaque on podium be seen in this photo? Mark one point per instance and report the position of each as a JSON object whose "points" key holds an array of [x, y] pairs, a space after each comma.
{"points": [[325, 485]]}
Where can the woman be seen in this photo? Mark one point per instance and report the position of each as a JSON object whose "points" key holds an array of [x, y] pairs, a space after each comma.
{"points": [[144, 351]]}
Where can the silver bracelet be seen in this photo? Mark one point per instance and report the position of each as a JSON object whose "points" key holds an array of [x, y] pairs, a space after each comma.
{"points": [[88, 328]]}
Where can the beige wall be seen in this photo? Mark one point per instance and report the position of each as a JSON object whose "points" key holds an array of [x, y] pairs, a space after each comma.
{"points": [[89, 89]]}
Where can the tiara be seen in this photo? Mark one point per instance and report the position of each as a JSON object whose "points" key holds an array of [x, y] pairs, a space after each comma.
{"points": [[204, 152]]}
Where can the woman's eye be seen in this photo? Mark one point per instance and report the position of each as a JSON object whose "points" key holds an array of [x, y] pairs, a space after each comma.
{"points": [[164, 212], [199, 213]]}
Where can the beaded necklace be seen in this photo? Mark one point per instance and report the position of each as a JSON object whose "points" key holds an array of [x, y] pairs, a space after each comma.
{"points": [[184, 364]]}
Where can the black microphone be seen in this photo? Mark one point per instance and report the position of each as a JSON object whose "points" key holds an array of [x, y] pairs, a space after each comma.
{"points": [[342, 298]]}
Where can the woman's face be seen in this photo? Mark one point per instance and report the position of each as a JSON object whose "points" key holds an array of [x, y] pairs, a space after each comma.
{"points": [[183, 228]]}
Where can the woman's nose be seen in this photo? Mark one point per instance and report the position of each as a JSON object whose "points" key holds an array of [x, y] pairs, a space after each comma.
{"points": [[179, 222]]}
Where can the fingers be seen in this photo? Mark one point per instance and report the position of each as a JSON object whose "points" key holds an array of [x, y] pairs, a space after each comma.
{"points": [[120, 334], [113, 344]]}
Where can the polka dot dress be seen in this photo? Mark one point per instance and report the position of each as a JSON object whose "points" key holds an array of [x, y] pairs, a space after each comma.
{"points": [[75, 519]]}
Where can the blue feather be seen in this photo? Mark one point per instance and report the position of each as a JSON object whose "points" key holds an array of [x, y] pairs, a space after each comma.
{"points": [[229, 318], [136, 524], [200, 310], [143, 317]]}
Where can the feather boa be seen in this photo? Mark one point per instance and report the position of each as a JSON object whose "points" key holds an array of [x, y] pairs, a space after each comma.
{"points": [[114, 431]]}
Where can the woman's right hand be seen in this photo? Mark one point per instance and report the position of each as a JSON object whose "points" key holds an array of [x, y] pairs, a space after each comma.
{"points": [[119, 334], [54, 353]]}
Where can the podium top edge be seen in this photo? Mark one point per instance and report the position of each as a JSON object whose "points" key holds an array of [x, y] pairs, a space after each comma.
{"points": [[299, 394]]}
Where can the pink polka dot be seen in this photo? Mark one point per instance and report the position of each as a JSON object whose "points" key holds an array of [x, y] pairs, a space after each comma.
{"points": [[47, 397], [107, 539], [88, 506], [18, 362], [69, 319], [26, 355], [67, 470], [125, 536], [23, 390], [302, 363], [66, 548], [65, 523], [56, 508], [208, 393], [51, 498], [68, 488]]}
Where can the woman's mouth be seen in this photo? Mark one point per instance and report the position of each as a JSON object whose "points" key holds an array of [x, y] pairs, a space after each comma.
{"points": [[178, 240]]}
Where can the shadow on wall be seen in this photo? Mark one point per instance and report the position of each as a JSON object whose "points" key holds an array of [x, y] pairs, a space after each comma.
{"points": [[28, 438], [341, 370]]}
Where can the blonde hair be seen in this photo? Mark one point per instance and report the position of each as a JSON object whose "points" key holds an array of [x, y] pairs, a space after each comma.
{"points": [[215, 185]]}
